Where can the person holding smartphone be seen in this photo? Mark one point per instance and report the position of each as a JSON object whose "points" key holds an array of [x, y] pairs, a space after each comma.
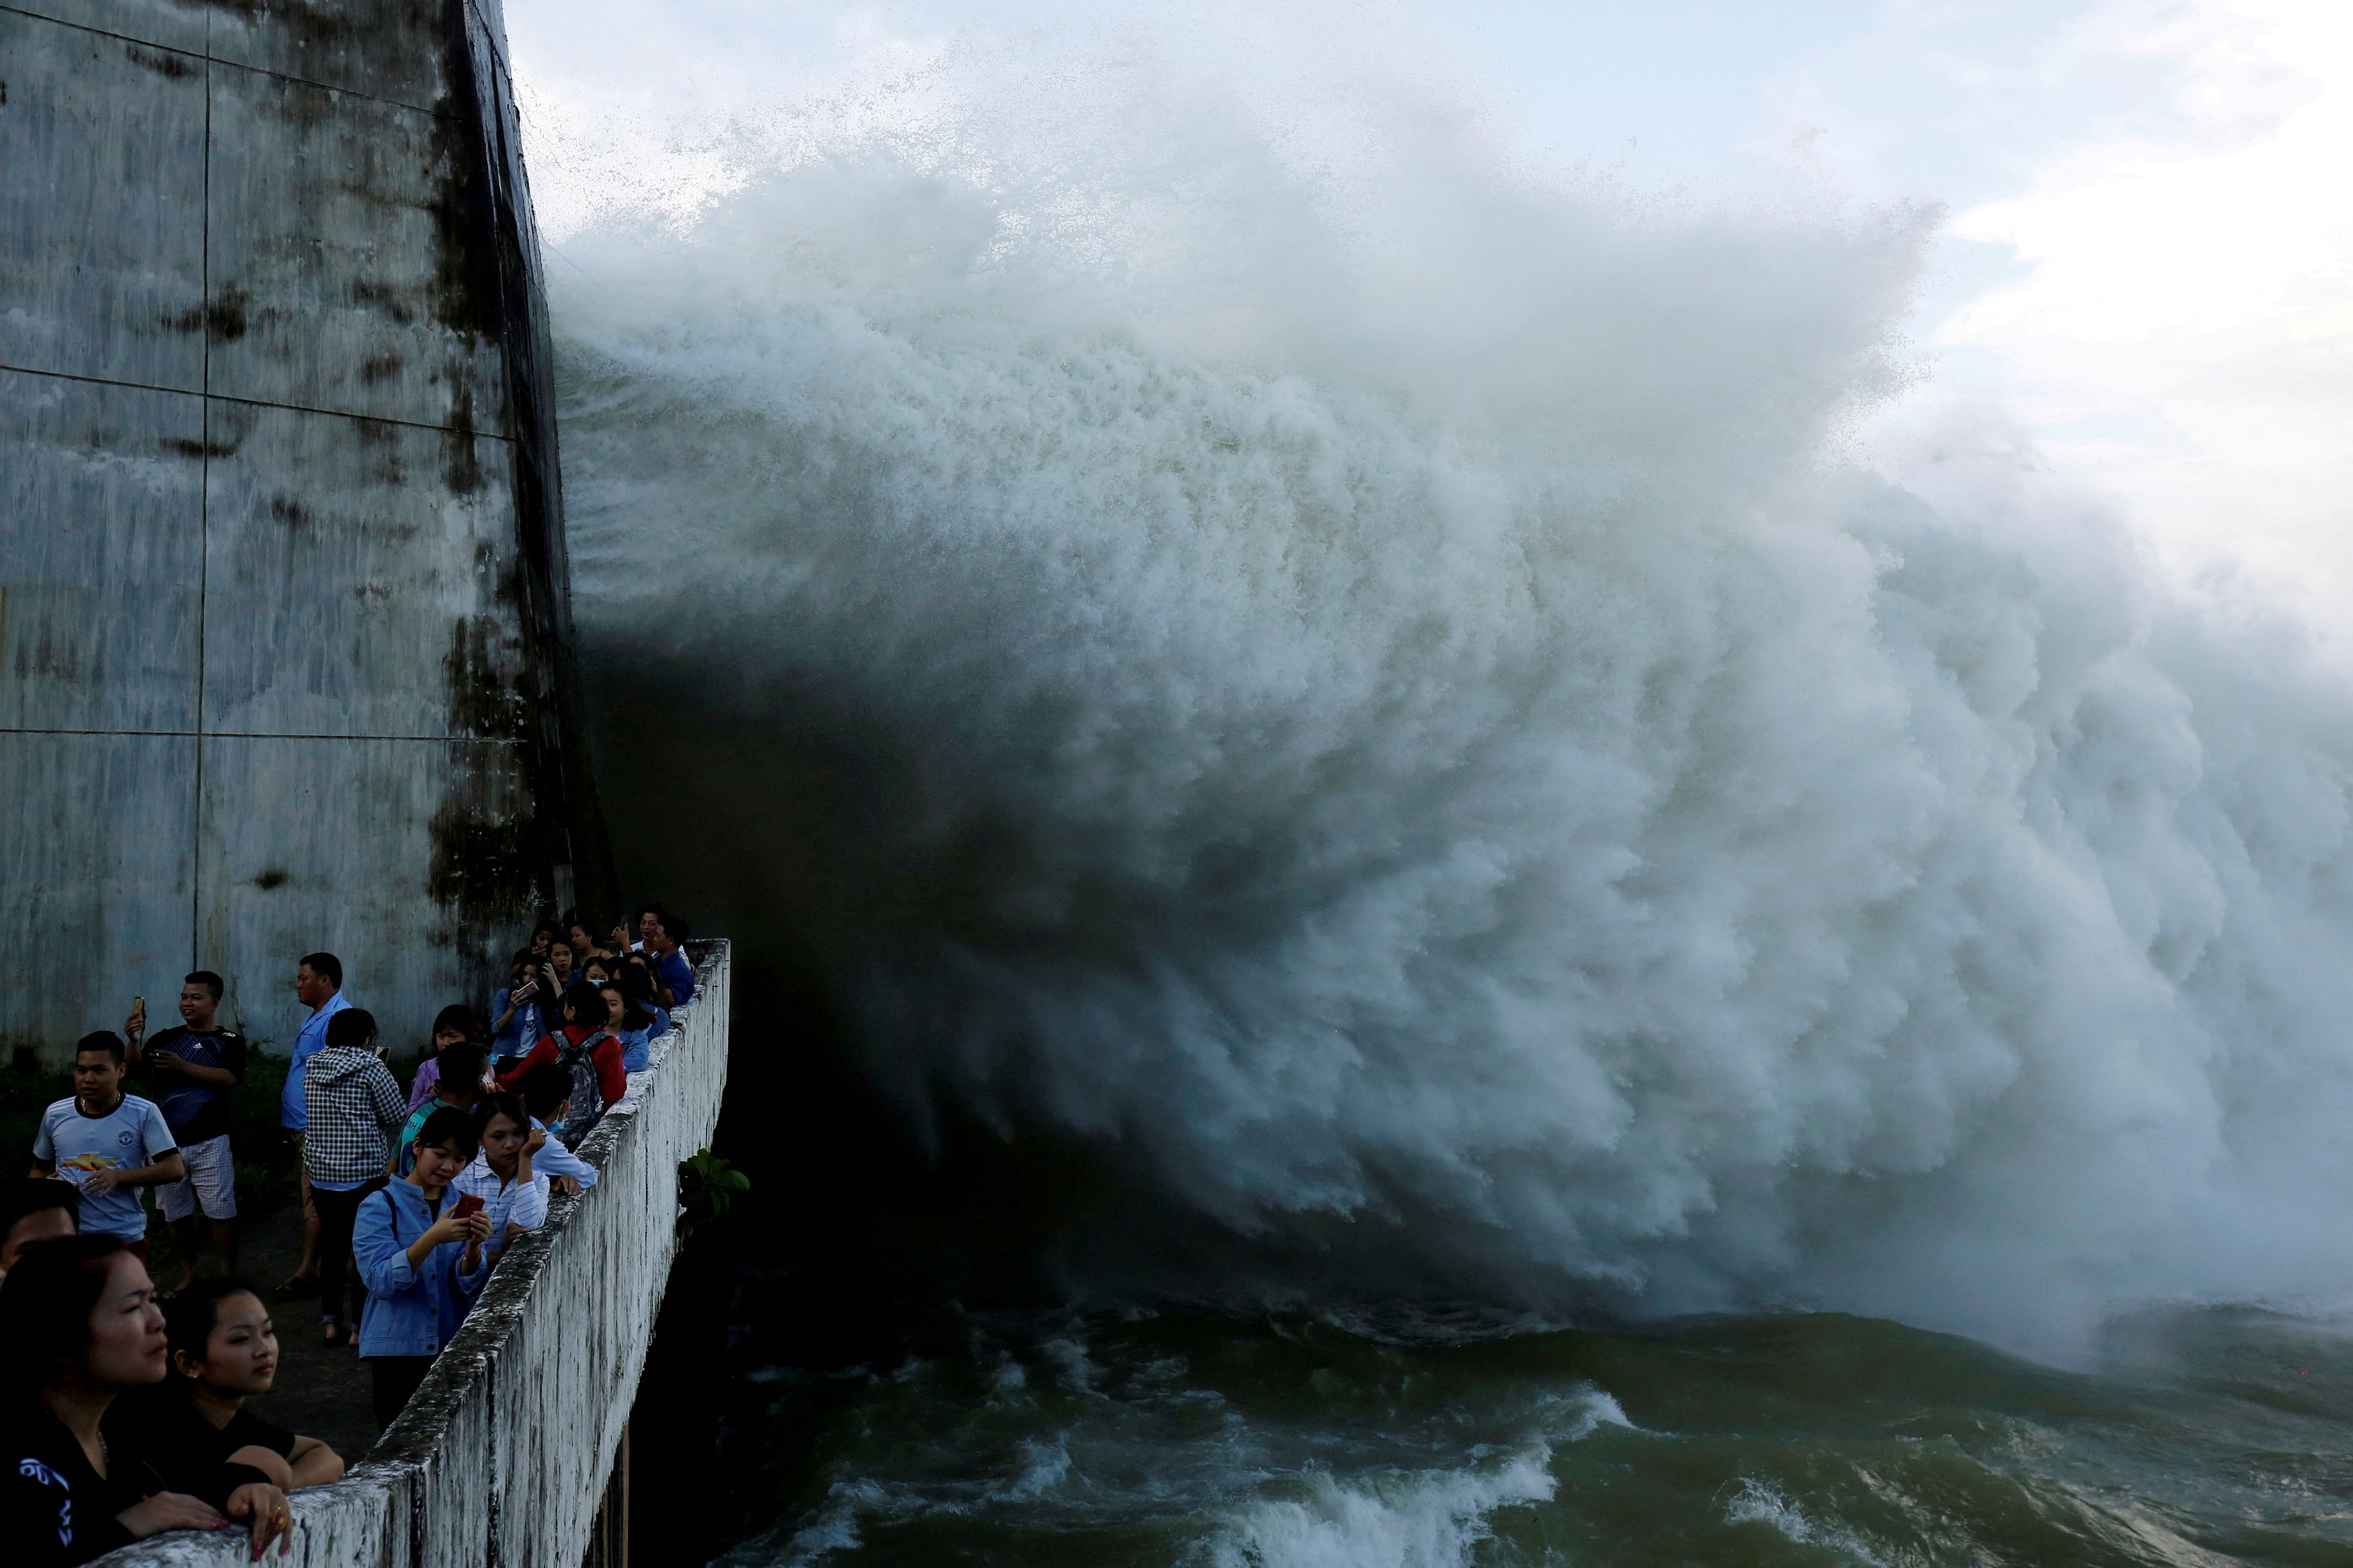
{"points": [[420, 1253], [514, 1196], [518, 1011], [190, 1069]]}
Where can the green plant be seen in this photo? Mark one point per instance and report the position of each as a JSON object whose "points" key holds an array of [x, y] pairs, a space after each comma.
{"points": [[707, 1183]]}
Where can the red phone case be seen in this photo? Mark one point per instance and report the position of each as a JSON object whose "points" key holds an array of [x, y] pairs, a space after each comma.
{"points": [[468, 1206]]}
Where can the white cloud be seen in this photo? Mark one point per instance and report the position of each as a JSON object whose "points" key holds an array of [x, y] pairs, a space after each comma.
{"points": [[2180, 330]]}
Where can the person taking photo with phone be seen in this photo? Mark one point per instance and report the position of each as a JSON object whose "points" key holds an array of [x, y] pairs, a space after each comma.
{"points": [[190, 1068], [420, 1253], [518, 1015]]}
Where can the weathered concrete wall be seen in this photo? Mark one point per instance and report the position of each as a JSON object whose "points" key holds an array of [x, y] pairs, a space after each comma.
{"points": [[501, 1457], [284, 648]]}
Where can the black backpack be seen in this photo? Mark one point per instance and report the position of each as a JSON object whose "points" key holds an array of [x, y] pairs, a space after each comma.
{"points": [[588, 1103]]}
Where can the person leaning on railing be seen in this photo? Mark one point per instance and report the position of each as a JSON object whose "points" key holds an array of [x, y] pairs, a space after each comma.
{"points": [[79, 1320], [673, 975], [224, 1350], [544, 1091], [591, 1053], [636, 982], [512, 1194]]}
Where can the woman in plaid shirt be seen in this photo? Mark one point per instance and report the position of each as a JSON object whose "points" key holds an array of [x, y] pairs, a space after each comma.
{"points": [[354, 1107]]}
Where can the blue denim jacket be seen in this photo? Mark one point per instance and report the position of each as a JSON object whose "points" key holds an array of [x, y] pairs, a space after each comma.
{"points": [[522, 1031], [410, 1310]]}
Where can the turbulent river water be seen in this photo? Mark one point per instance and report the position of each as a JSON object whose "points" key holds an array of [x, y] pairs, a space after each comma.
{"points": [[1598, 980], [1153, 1437]]}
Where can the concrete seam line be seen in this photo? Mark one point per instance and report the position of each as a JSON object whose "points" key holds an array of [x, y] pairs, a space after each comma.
{"points": [[251, 401]]}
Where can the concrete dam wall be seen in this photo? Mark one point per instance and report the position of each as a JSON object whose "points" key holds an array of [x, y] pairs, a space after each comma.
{"points": [[284, 643]]}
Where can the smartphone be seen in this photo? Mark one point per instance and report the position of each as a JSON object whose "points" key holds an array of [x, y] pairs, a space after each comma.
{"points": [[468, 1207], [524, 991]]}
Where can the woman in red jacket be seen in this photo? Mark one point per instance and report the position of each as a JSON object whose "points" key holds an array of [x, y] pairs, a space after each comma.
{"points": [[593, 1055]]}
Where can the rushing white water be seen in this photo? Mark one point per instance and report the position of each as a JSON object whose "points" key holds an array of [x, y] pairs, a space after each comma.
{"points": [[1372, 687]]}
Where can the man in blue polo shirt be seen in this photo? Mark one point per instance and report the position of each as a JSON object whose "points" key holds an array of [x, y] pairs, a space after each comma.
{"points": [[664, 931], [108, 1143], [318, 985]]}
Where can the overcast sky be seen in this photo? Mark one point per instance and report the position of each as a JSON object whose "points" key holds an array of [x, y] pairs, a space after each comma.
{"points": [[2148, 256]]}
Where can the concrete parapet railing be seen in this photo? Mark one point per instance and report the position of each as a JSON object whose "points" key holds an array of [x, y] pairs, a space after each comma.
{"points": [[501, 1456]]}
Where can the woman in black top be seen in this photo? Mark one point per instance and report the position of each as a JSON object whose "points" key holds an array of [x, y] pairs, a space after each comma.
{"points": [[223, 1348], [78, 1318]]}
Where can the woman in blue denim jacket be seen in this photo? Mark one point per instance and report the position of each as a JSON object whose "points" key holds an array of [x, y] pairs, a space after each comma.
{"points": [[518, 1018], [422, 1265]]}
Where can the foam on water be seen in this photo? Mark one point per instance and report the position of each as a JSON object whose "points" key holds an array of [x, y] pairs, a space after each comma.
{"points": [[1370, 689], [1758, 1503], [1430, 1519]]}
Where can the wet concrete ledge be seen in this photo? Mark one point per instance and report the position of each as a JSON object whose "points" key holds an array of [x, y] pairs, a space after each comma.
{"points": [[501, 1456]]}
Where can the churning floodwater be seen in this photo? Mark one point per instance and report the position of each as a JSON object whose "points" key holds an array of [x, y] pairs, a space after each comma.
{"points": [[1510, 956]]}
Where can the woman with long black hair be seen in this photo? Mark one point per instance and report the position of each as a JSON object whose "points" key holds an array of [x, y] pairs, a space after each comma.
{"points": [[78, 1318], [223, 1350]]}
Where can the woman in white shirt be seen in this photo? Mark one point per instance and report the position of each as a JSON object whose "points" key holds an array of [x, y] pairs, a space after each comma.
{"points": [[514, 1195]]}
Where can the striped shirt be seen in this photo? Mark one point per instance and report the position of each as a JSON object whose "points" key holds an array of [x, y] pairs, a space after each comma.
{"points": [[520, 1204]]}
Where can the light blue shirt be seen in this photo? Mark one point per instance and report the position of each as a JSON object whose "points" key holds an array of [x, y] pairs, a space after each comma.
{"points": [[555, 1160], [79, 1146], [309, 1043]]}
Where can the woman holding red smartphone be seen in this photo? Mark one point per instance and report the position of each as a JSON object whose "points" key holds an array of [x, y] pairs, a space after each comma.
{"points": [[419, 1249]]}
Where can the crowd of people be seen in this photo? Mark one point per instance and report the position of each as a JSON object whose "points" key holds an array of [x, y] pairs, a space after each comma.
{"points": [[123, 1405]]}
